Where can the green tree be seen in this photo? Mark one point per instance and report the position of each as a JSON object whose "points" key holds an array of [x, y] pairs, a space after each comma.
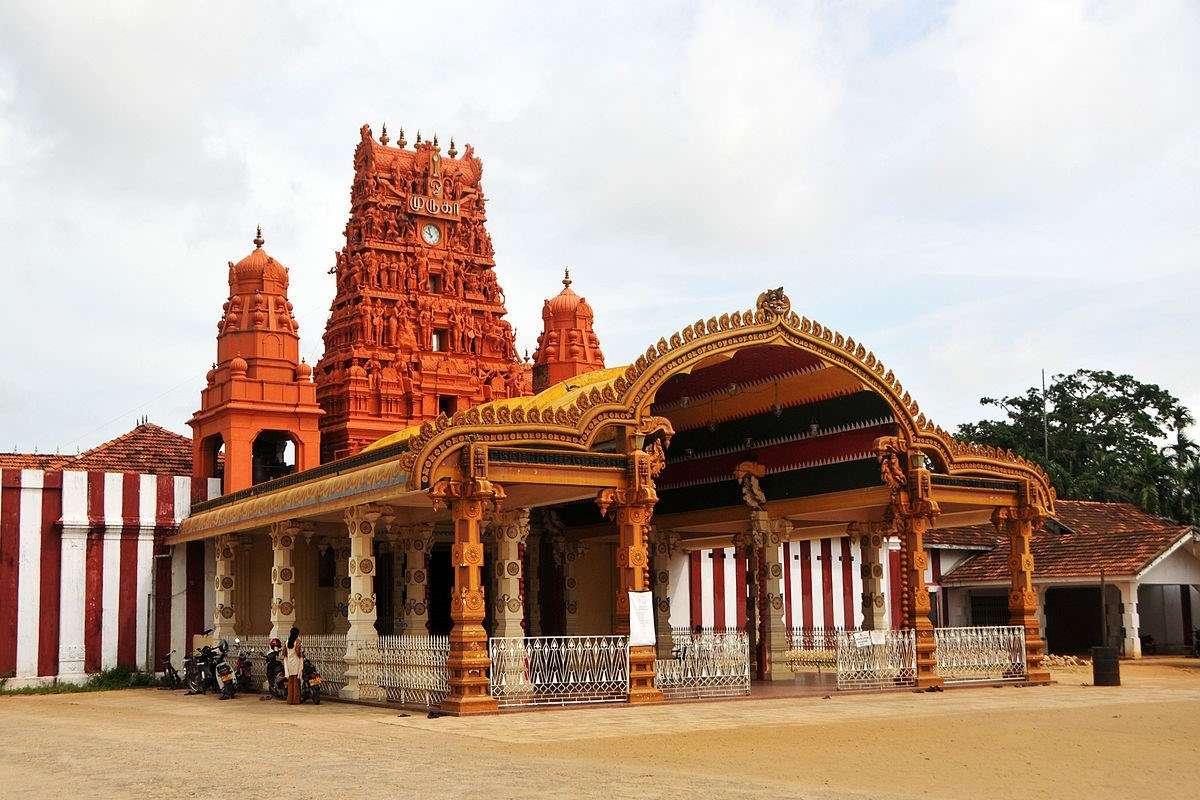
{"points": [[1110, 437]]}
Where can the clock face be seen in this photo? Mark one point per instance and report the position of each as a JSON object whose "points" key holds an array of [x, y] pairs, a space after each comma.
{"points": [[431, 233]]}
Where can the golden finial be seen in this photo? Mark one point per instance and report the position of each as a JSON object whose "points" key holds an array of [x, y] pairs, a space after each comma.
{"points": [[435, 143], [566, 277], [258, 240], [400, 142], [383, 137], [453, 151], [418, 138]]}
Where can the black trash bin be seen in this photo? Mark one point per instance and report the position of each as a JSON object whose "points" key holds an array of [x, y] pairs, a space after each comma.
{"points": [[1106, 669]]}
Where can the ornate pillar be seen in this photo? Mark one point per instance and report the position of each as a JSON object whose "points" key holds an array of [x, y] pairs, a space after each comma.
{"points": [[566, 554], [872, 547], [417, 542], [468, 499], [362, 523], [533, 583], [665, 543], [766, 538], [283, 575], [224, 609], [916, 510], [1018, 523], [507, 533], [633, 508]]}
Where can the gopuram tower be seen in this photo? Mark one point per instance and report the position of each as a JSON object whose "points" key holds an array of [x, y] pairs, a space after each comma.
{"points": [[259, 396], [417, 326], [567, 345]]}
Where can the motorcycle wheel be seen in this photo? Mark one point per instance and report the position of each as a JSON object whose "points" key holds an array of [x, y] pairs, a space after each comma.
{"points": [[315, 694]]}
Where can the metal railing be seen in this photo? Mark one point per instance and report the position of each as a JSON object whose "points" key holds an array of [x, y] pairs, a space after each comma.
{"points": [[559, 670], [407, 669], [327, 651], [706, 665], [812, 648], [993, 653], [254, 646], [876, 659]]}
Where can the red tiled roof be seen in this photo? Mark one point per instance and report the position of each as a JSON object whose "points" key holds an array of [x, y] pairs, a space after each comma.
{"points": [[1119, 538], [147, 449], [33, 461], [970, 537]]}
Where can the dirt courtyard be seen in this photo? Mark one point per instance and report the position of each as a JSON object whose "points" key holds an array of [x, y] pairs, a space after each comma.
{"points": [[1069, 740]]}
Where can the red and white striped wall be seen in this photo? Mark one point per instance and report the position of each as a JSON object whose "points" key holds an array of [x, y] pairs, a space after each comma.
{"points": [[80, 587], [822, 584]]}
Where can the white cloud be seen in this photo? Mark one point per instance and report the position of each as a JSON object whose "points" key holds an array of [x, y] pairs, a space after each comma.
{"points": [[973, 189]]}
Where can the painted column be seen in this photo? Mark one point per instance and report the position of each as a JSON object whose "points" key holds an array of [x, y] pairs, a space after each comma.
{"points": [[341, 583], [665, 542], [766, 536], [283, 576], [468, 499], [872, 544], [1130, 620], [916, 595], [362, 522], [633, 509], [417, 542], [1019, 523], [73, 578], [398, 536], [533, 583], [225, 614], [508, 533], [566, 554]]}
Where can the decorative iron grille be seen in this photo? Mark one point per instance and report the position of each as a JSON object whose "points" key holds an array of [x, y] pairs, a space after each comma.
{"points": [[876, 659], [327, 651], [812, 648], [410, 670], [706, 665], [559, 670], [995, 653], [255, 647]]}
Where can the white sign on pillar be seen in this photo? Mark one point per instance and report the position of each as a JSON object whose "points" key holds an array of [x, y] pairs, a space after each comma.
{"points": [[641, 619]]}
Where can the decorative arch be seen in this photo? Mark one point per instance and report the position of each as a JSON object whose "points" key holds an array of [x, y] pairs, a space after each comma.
{"points": [[582, 416]]}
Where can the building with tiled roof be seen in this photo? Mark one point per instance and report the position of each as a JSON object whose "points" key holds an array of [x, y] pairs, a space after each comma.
{"points": [[1150, 567], [147, 449]]}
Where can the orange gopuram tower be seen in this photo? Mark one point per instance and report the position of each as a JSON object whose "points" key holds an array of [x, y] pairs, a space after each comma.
{"points": [[258, 414], [417, 326], [567, 345]]}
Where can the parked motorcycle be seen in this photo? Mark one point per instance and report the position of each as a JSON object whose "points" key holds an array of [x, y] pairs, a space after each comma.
{"points": [[207, 669], [170, 678], [310, 683], [244, 676], [276, 682]]}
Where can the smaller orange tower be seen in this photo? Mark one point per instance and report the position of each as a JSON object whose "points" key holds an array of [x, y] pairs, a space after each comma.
{"points": [[260, 397], [567, 345]]}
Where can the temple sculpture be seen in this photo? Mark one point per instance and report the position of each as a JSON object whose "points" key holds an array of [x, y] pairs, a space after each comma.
{"points": [[417, 326]]}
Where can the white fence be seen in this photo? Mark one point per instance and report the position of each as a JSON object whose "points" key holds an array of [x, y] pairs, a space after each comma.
{"points": [[558, 670], [876, 659], [410, 670], [254, 646], [327, 651], [812, 648], [705, 665], [965, 655]]}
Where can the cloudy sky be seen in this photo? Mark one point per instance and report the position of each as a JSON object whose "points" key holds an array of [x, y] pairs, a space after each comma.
{"points": [[975, 190]]}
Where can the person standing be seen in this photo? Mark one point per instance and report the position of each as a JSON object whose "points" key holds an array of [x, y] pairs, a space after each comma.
{"points": [[293, 666]]}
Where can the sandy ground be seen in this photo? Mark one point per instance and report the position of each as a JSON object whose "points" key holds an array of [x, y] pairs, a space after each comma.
{"points": [[1070, 740]]}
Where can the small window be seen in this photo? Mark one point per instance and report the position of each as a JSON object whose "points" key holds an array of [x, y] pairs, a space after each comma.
{"points": [[446, 404], [441, 340], [435, 284]]}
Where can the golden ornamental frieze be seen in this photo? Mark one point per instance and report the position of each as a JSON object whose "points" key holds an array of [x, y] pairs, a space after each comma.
{"points": [[626, 398]]}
